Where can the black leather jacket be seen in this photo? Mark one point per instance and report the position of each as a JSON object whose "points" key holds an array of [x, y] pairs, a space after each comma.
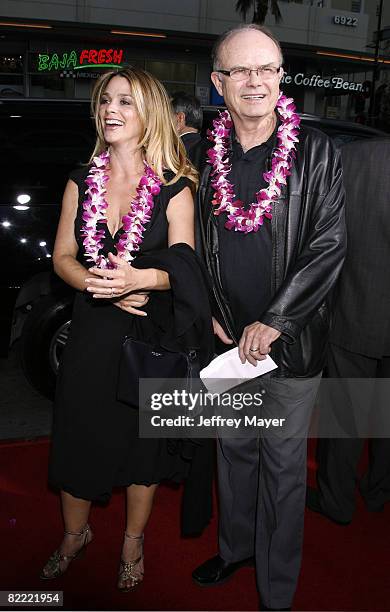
{"points": [[309, 244]]}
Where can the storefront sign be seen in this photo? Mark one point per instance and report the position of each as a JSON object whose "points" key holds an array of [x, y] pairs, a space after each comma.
{"points": [[316, 80], [87, 58]]}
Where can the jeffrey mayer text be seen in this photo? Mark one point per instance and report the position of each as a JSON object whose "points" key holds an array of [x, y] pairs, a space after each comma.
{"points": [[252, 421], [215, 421]]}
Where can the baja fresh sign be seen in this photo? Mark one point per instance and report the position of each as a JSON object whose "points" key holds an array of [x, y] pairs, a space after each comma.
{"points": [[87, 58], [316, 80]]}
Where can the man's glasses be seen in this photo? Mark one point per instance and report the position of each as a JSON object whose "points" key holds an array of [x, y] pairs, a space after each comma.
{"points": [[241, 74]]}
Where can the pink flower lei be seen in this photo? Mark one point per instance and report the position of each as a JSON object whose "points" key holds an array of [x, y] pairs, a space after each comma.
{"points": [[250, 220], [95, 206]]}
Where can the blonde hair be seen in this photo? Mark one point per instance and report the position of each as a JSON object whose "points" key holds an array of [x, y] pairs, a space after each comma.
{"points": [[161, 144]]}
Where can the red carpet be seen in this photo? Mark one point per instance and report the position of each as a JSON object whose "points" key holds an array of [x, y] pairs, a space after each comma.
{"points": [[344, 568]]}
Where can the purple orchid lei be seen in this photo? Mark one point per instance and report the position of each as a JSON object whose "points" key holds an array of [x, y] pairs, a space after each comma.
{"points": [[95, 207], [250, 220]]}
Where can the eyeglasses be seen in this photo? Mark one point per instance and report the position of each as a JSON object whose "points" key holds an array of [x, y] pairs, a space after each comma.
{"points": [[240, 74]]}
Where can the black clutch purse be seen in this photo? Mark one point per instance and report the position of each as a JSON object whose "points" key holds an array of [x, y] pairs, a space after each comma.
{"points": [[143, 360]]}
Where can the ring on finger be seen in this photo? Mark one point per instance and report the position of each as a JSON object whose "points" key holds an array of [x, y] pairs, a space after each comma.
{"points": [[254, 349]]}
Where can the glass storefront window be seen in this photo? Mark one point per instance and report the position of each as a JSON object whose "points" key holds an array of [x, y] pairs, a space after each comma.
{"points": [[322, 83], [173, 87], [11, 63], [329, 88], [11, 85], [84, 87], [51, 86], [11, 75], [174, 75], [33, 62], [137, 63], [172, 71]]}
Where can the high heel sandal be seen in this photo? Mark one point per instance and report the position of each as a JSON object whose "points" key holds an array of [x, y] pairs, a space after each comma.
{"points": [[126, 569], [52, 568]]}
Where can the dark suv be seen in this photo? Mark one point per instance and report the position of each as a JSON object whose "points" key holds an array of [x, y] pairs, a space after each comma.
{"points": [[40, 143]]}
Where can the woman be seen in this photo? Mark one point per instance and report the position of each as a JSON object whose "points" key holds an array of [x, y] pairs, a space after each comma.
{"points": [[134, 197]]}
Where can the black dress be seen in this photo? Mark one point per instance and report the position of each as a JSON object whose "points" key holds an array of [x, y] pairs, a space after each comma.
{"points": [[95, 444]]}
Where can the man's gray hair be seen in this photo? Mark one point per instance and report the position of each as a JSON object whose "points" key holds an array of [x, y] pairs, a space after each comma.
{"points": [[183, 102], [215, 54]]}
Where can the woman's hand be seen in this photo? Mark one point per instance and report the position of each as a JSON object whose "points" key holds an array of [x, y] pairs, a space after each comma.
{"points": [[111, 283], [124, 279], [133, 302]]}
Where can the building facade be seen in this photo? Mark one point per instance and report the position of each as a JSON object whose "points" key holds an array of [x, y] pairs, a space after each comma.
{"points": [[57, 49]]}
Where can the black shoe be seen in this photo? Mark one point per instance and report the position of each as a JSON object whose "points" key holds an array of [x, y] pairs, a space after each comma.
{"points": [[217, 571], [314, 504]]}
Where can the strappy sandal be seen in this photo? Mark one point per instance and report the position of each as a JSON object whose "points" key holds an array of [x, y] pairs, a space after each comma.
{"points": [[128, 580], [53, 568]]}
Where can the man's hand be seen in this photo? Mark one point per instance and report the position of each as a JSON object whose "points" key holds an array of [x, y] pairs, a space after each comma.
{"points": [[220, 332], [133, 302], [255, 342]]}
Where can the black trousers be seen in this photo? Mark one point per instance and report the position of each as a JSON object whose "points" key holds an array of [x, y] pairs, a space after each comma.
{"points": [[262, 486], [338, 457]]}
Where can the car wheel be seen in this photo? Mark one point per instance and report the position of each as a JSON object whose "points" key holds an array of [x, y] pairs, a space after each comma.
{"points": [[44, 336]]}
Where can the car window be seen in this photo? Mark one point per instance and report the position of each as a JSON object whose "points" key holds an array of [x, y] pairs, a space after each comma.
{"points": [[342, 139], [54, 146]]}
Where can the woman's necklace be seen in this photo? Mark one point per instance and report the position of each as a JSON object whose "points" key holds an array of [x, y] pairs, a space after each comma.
{"points": [[95, 207], [239, 218]]}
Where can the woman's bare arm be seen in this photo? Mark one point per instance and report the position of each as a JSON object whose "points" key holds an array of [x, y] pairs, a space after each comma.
{"points": [[181, 218], [66, 248]]}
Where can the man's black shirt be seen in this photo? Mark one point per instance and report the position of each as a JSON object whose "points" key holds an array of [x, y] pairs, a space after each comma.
{"points": [[196, 148], [246, 259]]}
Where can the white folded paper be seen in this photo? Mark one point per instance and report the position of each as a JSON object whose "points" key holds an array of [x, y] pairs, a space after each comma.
{"points": [[226, 371]]}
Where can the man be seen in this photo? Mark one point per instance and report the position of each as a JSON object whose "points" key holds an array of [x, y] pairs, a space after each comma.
{"points": [[189, 119], [271, 290], [360, 343]]}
